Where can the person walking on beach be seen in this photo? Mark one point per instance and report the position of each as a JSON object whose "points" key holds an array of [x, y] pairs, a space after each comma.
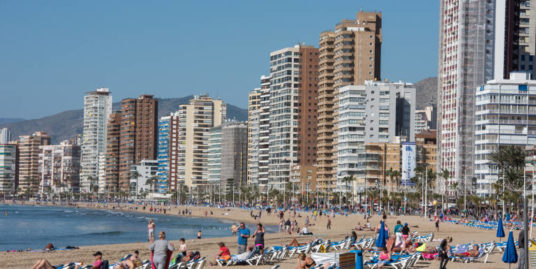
{"points": [[444, 252], [150, 231], [199, 234], [328, 226], [160, 249], [243, 235]]}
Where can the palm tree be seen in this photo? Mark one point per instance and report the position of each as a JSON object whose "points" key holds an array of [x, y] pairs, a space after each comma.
{"points": [[346, 180], [510, 160], [152, 181], [445, 174]]}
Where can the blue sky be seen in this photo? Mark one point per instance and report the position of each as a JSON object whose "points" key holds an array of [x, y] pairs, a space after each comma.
{"points": [[52, 52]]}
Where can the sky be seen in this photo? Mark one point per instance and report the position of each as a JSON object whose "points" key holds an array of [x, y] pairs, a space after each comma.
{"points": [[53, 52]]}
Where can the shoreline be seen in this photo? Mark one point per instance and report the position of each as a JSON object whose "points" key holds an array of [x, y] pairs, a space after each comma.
{"points": [[271, 229], [341, 227]]}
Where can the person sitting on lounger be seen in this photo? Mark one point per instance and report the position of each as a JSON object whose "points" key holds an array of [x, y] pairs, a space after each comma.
{"points": [[42, 264], [384, 257], [471, 253], [188, 257], [305, 262], [223, 254], [133, 261], [244, 255]]}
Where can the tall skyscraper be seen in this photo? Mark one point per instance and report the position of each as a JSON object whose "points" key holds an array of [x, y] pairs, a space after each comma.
{"points": [[146, 128], [29, 149], [127, 142], [515, 37], [293, 107], [350, 55], [227, 157], [138, 135], [478, 41], [195, 121], [111, 179], [234, 147], [168, 132], [59, 168], [259, 134], [97, 109]]}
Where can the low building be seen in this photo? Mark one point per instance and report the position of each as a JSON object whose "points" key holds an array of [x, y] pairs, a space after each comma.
{"points": [[144, 177], [59, 168]]}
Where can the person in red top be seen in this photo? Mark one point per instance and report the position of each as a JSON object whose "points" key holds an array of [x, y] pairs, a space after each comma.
{"points": [[223, 254]]}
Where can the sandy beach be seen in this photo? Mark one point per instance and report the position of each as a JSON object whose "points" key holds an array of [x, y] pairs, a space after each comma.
{"points": [[341, 227]]}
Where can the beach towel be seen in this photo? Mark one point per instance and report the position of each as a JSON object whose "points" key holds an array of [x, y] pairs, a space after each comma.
{"points": [[169, 254]]}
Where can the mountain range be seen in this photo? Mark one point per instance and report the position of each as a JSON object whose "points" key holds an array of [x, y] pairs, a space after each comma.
{"points": [[68, 124]]}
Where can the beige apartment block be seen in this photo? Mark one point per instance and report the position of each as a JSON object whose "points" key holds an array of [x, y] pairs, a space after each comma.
{"points": [[195, 121], [349, 55]]}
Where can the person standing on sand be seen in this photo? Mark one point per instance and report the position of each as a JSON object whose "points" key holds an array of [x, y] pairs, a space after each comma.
{"points": [[243, 235], [160, 250], [328, 225], [150, 231]]}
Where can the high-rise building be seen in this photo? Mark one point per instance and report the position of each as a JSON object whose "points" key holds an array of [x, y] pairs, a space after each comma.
{"points": [[377, 112], [515, 37], [478, 41], [214, 156], [504, 115], [195, 121], [146, 128], [227, 157], [349, 55], [8, 168], [234, 148], [29, 149], [127, 142], [111, 179], [168, 133], [254, 112], [137, 135], [5, 136], [97, 109], [259, 134], [293, 107], [59, 168]]}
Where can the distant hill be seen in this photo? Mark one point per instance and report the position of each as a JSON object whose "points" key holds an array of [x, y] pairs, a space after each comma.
{"points": [[9, 120], [426, 92], [68, 124]]}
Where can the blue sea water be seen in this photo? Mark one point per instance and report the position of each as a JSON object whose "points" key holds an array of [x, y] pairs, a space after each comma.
{"points": [[34, 226]]}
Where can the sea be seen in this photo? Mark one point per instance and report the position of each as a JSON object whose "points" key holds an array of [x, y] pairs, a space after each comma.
{"points": [[25, 227]]}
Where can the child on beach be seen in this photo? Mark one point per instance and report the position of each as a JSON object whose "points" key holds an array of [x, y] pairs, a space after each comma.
{"points": [[182, 246]]}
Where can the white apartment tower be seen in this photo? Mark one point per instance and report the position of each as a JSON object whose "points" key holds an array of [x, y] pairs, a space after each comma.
{"points": [[97, 109], [259, 134], [466, 37]]}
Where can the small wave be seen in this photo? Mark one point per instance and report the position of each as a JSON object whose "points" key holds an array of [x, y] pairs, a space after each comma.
{"points": [[103, 233]]}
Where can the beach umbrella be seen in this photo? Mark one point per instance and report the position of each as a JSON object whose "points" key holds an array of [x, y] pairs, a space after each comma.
{"points": [[500, 229], [380, 242], [510, 253]]}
